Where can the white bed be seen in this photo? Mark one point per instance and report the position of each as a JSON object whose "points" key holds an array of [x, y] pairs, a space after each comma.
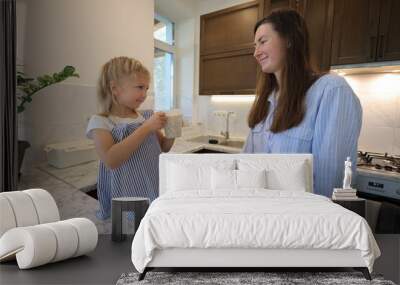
{"points": [[226, 226]]}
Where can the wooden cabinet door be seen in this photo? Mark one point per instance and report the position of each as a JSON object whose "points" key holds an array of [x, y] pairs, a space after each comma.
{"points": [[355, 31], [228, 73], [227, 65], [229, 29], [318, 15], [389, 31]]}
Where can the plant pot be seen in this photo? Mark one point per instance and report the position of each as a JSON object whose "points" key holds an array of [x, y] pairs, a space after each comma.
{"points": [[22, 146]]}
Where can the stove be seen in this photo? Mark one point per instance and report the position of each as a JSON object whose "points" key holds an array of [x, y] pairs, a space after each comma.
{"points": [[378, 174], [378, 181]]}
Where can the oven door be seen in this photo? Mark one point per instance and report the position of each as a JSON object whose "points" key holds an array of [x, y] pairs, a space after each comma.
{"points": [[383, 201]]}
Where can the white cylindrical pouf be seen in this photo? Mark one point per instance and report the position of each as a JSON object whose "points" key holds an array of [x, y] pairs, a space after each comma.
{"points": [[67, 240], [87, 234], [34, 246], [45, 205], [40, 244], [7, 218], [23, 208]]}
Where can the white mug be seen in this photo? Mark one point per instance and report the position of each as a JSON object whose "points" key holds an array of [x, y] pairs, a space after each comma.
{"points": [[173, 127]]}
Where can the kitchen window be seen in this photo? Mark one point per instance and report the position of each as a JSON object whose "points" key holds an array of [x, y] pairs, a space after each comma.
{"points": [[164, 57]]}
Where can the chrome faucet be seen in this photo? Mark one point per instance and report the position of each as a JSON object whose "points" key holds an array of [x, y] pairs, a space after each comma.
{"points": [[226, 133]]}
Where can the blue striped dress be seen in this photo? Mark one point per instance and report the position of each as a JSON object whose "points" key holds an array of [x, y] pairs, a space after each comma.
{"points": [[136, 177], [329, 130]]}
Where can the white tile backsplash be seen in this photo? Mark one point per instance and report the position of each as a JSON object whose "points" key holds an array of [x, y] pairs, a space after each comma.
{"points": [[237, 124], [380, 99], [376, 139], [379, 110]]}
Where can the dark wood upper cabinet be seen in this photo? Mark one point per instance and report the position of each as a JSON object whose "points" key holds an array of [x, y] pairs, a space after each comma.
{"points": [[340, 31], [389, 31], [229, 29], [227, 65], [365, 31], [232, 72], [318, 15], [355, 31]]}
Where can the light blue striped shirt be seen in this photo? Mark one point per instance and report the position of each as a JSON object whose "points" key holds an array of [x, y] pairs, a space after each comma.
{"points": [[329, 130]]}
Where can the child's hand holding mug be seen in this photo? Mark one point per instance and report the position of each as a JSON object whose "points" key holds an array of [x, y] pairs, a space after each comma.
{"points": [[157, 121]]}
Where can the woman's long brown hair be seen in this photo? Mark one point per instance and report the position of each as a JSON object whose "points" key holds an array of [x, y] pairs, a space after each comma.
{"points": [[297, 74]]}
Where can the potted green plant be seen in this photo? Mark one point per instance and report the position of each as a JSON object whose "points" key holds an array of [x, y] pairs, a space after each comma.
{"points": [[30, 86]]}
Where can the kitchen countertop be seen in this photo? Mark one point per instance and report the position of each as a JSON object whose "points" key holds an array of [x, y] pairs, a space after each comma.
{"points": [[184, 145]]}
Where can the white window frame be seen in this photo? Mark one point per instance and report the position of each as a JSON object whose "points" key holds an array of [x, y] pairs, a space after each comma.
{"points": [[170, 48]]}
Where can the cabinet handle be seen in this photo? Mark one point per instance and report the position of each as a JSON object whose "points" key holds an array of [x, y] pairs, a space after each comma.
{"points": [[372, 47], [381, 42]]}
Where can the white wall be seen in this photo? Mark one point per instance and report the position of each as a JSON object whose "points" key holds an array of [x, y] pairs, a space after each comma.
{"points": [[85, 34], [185, 66]]}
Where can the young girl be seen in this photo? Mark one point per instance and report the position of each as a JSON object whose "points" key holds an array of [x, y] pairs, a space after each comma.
{"points": [[127, 141]]}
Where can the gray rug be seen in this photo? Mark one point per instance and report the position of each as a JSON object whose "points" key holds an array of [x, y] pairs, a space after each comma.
{"points": [[242, 278]]}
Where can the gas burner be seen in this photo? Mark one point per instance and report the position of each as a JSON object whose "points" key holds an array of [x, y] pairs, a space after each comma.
{"points": [[379, 161], [387, 167], [364, 157]]}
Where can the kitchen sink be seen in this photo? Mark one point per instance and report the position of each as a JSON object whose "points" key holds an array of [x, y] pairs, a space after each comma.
{"points": [[232, 143], [221, 141], [202, 139]]}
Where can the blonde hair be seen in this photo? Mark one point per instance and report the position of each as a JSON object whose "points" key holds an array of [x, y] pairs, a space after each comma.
{"points": [[114, 70]]}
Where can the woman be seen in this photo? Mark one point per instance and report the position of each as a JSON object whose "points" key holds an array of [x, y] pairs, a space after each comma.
{"points": [[297, 110]]}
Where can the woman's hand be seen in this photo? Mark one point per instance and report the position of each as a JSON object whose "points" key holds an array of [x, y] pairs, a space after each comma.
{"points": [[157, 121]]}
